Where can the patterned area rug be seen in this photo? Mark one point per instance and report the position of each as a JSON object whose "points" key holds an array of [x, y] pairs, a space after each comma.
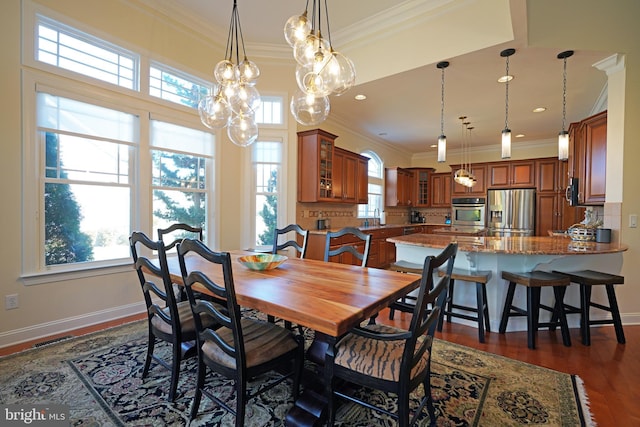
{"points": [[99, 377]]}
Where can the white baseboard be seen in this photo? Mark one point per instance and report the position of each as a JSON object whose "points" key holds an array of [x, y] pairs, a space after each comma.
{"points": [[44, 330]]}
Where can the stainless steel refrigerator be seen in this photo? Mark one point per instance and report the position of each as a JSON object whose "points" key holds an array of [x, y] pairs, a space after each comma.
{"points": [[511, 212]]}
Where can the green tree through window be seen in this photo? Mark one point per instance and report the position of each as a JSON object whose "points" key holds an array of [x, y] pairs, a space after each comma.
{"points": [[64, 242], [269, 211]]}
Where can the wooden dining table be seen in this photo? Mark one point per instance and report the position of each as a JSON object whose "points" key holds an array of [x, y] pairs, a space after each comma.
{"points": [[329, 298]]}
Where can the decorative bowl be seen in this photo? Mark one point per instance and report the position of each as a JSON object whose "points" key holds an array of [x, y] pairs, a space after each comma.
{"points": [[262, 262], [582, 234]]}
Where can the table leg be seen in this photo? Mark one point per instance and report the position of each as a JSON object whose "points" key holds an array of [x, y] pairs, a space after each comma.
{"points": [[310, 409]]}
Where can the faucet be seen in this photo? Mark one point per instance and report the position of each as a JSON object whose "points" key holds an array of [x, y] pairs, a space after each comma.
{"points": [[376, 216]]}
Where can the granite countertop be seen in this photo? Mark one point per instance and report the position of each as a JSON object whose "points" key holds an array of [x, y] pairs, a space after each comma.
{"points": [[537, 245], [381, 227]]}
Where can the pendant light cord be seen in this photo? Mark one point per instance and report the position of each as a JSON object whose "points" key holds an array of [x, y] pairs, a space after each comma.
{"points": [[564, 94], [442, 105], [506, 98]]}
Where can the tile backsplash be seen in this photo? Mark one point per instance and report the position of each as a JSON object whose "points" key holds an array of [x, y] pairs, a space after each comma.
{"points": [[339, 216]]}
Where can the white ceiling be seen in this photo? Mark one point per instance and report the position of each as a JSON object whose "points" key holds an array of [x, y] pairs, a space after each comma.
{"points": [[403, 108]]}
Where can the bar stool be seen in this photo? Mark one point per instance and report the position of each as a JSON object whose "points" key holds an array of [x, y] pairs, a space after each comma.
{"points": [[535, 281], [481, 309], [403, 304], [586, 279]]}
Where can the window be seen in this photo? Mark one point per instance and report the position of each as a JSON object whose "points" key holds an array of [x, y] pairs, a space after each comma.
{"points": [[100, 162], [266, 166], [374, 188], [87, 184], [181, 172], [270, 111], [174, 86], [68, 48]]}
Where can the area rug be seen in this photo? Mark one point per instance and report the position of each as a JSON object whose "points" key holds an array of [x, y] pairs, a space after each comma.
{"points": [[99, 377]]}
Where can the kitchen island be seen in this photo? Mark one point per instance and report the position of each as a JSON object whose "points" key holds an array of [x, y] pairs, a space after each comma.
{"points": [[515, 254]]}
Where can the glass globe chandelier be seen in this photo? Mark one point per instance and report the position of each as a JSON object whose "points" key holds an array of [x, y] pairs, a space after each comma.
{"points": [[321, 71], [234, 98]]}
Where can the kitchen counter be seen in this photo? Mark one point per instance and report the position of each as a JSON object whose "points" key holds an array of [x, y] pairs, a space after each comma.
{"points": [[382, 227], [516, 254], [534, 245]]}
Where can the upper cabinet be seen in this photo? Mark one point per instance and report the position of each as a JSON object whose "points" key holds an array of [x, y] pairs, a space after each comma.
{"points": [[327, 173], [440, 188], [478, 190], [399, 187], [588, 158], [512, 174], [421, 187]]}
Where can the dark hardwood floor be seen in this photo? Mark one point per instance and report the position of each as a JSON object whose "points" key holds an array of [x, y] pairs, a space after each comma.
{"points": [[610, 371]]}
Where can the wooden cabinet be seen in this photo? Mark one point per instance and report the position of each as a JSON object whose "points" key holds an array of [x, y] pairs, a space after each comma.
{"points": [[362, 192], [552, 209], [594, 138], [512, 174], [478, 190], [327, 173], [422, 187], [399, 187], [588, 157], [440, 184]]}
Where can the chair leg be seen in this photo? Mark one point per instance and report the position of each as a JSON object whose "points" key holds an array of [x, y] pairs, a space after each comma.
{"points": [[392, 312], [480, 301], [615, 313], [403, 408], [175, 370], [561, 315], [487, 323], [431, 410], [202, 371], [449, 300], [507, 308], [147, 363], [585, 295], [241, 401], [533, 315]]}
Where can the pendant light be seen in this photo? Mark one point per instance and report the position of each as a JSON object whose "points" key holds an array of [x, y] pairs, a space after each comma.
{"points": [[442, 139], [506, 132], [320, 71], [563, 136], [234, 99]]}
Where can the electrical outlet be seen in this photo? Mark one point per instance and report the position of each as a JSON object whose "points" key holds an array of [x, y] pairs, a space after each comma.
{"points": [[10, 301]]}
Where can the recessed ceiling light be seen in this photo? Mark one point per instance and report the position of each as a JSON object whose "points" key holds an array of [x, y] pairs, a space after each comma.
{"points": [[539, 109], [505, 79], [433, 146], [520, 135], [361, 97]]}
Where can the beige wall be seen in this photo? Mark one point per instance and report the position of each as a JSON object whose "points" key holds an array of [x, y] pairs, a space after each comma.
{"points": [[67, 303]]}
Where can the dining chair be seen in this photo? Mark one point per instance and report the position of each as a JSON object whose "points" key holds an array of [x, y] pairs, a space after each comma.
{"points": [[356, 249], [177, 232], [390, 359], [301, 249], [242, 348], [173, 235], [168, 319]]}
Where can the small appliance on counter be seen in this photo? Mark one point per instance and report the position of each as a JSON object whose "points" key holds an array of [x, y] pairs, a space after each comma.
{"points": [[416, 217]]}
